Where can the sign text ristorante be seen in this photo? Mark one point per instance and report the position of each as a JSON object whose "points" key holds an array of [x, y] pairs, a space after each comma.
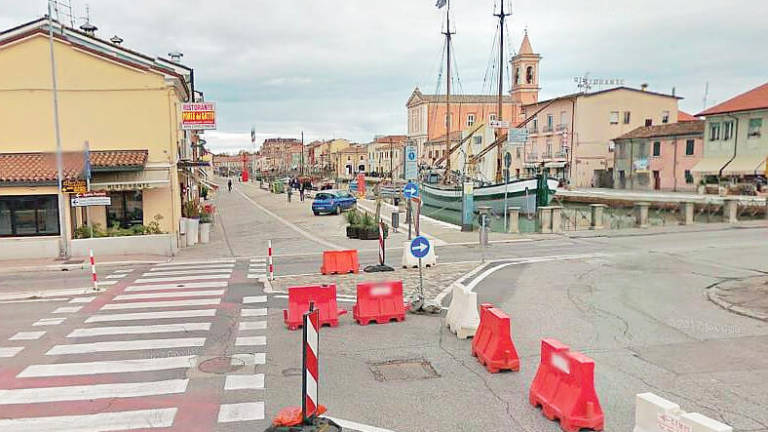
{"points": [[198, 115]]}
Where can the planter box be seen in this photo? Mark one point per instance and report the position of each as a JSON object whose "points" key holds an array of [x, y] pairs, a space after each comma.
{"points": [[193, 225], [352, 232], [158, 244], [205, 232], [370, 233]]}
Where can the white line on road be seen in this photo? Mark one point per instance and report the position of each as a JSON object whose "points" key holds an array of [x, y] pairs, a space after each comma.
{"points": [[107, 421], [187, 272], [248, 359], [21, 295], [256, 276], [210, 261], [292, 226], [89, 392], [7, 352], [108, 367], [124, 271], [106, 283], [251, 340], [82, 300], [252, 325], [253, 312], [27, 335], [67, 309], [172, 294], [117, 276], [161, 304], [48, 322], [241, 411], [346, 424], [130, 345], [226, 266], [244, 382], [153, 315], [213, 284], [123, 330], [254, 299], [183, 278]]}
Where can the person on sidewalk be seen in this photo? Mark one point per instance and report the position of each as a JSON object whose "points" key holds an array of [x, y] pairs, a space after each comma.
{"points": [[301, 191], [229, 184], [290, 192]]}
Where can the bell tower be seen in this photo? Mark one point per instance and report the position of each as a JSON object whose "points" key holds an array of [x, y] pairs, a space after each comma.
{"points": [[525, 74]]}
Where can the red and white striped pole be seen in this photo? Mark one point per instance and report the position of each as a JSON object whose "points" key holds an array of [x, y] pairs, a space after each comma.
{"points": [[271, 264], [310, 376], [93, 271]]}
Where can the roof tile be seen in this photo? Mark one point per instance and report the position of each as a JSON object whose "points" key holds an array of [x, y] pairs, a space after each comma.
{"points": [[41, 167], [754, 99], [664, 130]]}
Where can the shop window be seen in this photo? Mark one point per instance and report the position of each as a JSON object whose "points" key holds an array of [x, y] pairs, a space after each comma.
{"points": [[127, 209], [29, 215]]}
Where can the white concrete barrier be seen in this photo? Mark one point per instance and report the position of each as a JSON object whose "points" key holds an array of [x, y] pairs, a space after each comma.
{"points": [[410, 261], [462, 317], [656, 414]]}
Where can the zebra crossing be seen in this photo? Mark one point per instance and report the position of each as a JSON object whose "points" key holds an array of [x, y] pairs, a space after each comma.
{"points": [[257, 268], [131, 357]]}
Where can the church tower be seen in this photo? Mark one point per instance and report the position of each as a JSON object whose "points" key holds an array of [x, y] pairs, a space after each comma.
{"points": [[525, 74]]}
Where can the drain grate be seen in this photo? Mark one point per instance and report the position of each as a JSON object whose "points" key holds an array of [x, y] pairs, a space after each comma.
{"points": [[403, 370]]}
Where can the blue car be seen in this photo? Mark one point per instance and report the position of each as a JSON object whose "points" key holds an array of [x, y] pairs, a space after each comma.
{"points": [[332, 201]]}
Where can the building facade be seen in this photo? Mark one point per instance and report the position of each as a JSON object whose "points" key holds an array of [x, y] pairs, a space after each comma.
{"points": [[350, 161], [659, 157], [385, 155]]}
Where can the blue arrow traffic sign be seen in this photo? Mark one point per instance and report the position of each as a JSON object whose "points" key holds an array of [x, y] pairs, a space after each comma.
{"points": [[411, 190], [420, 246]]}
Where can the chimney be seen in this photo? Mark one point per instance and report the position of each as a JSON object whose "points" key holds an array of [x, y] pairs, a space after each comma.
{"points": [[673, 91], [117, 40], [644, 86]]}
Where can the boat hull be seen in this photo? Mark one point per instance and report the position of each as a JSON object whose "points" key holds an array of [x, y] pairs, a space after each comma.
{"points": [[520, 193]]}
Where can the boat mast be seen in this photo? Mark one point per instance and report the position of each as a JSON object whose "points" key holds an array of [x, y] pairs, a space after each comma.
{"points": [[502, 16], [448, 119]]}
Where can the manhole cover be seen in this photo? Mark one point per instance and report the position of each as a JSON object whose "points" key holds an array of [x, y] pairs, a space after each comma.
{"points": [[291, 372], [221, 365], [403, 370]]}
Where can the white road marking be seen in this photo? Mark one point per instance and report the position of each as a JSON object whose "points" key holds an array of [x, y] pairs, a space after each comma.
{"points": [[90, 392], [123, 330], [159, 287], [346, 424], [67, 309], [252, 325], [253, 312], [27, 335], [153, 315], [292, 226], [256, 276], [186, 272], [251, 340], [117, 276], [161, 304], [124, 271], [48, 321], [130, 345], [170, 294], [339, 299], [258, 260], [241, 411], [106, 283], [184, 278], [254, 299], [177, 263], [22, 295], [82, 299], [7, 352], [108, 367], [244, 382], [248, 359], [225, 266], [107, 421]]}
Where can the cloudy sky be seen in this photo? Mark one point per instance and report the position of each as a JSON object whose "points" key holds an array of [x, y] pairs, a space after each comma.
{"points": [[345, 68]]}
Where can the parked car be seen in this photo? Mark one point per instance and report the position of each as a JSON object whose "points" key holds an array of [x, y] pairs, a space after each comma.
{"points": [[332, 201]]}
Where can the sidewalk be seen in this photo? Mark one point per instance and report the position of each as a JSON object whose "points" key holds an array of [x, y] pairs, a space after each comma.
{"points": [[76, 263], [747, 297]]}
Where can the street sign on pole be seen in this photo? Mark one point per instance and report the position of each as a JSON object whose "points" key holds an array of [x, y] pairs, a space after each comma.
{"points": [[517, 135], [91, 199], [411, 163], [499, 124], [419, 247], [411, 190], [507, 159]]}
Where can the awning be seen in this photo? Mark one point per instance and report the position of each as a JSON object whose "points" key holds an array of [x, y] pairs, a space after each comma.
{"points": [[746, 165], [710, 165], [118, 181], [554, 165]]}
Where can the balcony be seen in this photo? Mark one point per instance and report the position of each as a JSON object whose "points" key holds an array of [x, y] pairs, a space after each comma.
{"points": [[533, 129], [562, 154], [562, 127], [546, 155], [531, 157], [547, 129]]}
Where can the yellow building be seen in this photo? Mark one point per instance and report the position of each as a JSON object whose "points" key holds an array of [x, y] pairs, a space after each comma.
{"points": [[125, 105]]}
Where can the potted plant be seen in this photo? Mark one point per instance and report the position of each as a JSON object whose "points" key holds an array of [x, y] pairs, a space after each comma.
{"points": [[206, 220], [193, 222], [353, 221], [369, 229]]}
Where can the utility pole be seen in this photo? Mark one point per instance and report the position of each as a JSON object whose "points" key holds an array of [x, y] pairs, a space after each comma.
{"points": [[63, 227], [301, 169], [391, 162], [448, 119], [502, 16]]}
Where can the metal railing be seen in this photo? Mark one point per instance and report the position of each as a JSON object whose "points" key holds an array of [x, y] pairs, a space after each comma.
{"points": [[562, 127], [547, 129]]}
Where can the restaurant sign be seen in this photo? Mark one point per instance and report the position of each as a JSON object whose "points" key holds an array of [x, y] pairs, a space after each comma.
{"points": [[76, 186], [198, 116], [91, 199]]}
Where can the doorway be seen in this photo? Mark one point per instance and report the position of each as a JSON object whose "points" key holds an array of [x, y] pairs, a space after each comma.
{"points": [[656, 180]]}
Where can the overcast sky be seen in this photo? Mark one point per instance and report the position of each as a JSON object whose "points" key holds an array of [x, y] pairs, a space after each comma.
{"points": [[345, 68]]}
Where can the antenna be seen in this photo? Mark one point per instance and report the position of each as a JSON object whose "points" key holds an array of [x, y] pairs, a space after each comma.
{"points": [[706, 94], [87, 27], [62, 10]]}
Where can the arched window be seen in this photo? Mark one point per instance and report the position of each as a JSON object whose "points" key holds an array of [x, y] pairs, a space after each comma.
{"points": [[529, 75], [517, 75]]}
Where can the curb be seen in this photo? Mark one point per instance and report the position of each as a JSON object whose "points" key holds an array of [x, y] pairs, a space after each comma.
{"points": [[713, 294], [82, 266]]}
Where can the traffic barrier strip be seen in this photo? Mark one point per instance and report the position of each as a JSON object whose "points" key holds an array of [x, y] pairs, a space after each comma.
{"points": [[462, 317], [564, 388], [492, 344], [656, 414], [410, 261], [380, 302], [340, 262], [324, 299]]}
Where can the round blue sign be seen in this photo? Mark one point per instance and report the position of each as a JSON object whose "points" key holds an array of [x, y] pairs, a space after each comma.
{"points": [[420, 247]]}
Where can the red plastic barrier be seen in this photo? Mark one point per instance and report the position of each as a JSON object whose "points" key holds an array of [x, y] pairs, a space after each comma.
{"points": [[339, 262], [324, 298], [380, 302], [492, 344], [564, 387]]}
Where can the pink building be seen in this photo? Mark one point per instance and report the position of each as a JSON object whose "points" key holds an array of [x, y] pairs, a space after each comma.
{"points": [[659, 157]]}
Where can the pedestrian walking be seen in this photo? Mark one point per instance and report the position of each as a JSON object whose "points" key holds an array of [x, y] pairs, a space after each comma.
{"points": [[229, 184], [290, 192], [301, 191]]}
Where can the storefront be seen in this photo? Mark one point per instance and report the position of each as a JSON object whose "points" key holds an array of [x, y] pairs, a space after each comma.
{"points": [[29, 215]]}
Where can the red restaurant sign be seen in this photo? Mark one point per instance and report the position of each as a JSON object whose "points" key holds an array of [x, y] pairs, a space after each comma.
{"points": [[198, 115]]}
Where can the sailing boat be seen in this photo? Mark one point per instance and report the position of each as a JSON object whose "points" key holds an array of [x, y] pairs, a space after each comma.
{"points": [[525, 193]]}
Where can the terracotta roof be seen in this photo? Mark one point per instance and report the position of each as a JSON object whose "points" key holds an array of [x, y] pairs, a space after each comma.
{"points": [[757, 98], [672, 129], [41, 167], [685, 117]]}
